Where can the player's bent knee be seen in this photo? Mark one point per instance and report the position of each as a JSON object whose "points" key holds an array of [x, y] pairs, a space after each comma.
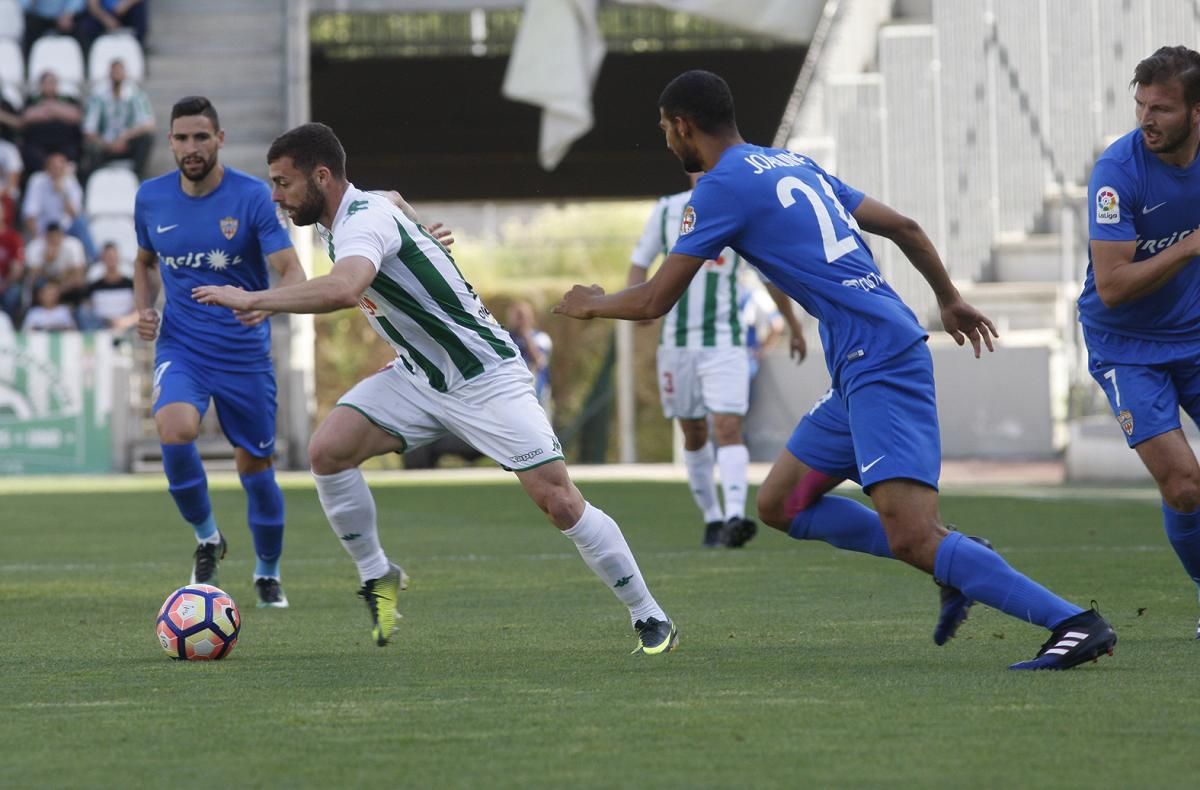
{"points": [[771, 510], [1182, 493], [324, 460]]}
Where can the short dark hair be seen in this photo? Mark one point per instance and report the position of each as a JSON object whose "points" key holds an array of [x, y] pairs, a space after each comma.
{"points": [[1168, 63], [196, 105], [310, 145], [702, 97]]}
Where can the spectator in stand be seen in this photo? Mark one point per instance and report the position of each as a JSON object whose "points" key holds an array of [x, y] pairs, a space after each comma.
{"points": [[44, 16], [118, 124], [11, 167], [10, 120], [49, 314], [107, 16], [55, 257], [54, 196], [535, 347], [109, 303], [50, 122], [12, 268]]}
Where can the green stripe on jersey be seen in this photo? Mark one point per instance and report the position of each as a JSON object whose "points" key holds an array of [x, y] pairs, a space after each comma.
{"points": [[467, 363], [708, 325], [735, 322], [436, 379], [681, 317], [436, 286]]}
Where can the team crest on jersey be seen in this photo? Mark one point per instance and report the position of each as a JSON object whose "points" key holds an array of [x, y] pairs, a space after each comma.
{"points": [[1126, 420], [689, 221], [1108, 209], [229, 227]]}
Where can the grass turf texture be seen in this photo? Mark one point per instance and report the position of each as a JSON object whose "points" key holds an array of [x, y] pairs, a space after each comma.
{"points": [[799, 665]]}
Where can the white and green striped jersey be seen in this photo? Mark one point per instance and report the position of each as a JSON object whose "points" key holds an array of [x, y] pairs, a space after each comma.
{"points": [[706, 315], [419, 301]]}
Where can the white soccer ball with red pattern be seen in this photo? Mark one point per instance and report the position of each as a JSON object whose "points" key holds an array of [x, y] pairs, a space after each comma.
{"points": [[198, 622]]}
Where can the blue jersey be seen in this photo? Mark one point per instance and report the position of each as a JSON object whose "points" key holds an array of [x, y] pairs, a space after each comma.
{"points": [[1135, 196], [221, 238], [791, 220]]}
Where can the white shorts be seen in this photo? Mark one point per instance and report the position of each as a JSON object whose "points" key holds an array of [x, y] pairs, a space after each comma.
{"points": [[497, 413], [694, 382]]}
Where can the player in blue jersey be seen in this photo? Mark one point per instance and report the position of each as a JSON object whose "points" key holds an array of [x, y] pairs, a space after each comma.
{"points": [[1139, 310], [206, 223], [800, 227]]}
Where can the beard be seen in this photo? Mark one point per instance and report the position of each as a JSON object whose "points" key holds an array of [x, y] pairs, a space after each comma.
{"points": [[691, 163], [206, 167], [1168, 142], [309, 210]]}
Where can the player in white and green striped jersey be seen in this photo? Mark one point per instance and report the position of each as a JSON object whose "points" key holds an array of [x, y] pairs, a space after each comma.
{"points": [[703, 370], [456, 371]]}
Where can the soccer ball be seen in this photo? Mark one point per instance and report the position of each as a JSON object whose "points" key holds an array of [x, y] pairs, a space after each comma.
{"points": [[198, 622]]}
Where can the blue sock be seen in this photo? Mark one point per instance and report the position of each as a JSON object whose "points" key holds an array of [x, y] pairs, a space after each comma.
{"points": [[1183, 530], [189, 487], [983, 574], [844, 523], [264, 512]]}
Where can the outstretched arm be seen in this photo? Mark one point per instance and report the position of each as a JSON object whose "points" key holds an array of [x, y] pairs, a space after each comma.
{"points": [[650, 299], [960, 320], [341, 288]]}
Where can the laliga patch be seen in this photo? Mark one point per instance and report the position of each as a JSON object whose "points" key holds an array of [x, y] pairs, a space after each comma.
{"points": [[229, 227], [1108, 209], [1126, 420], [689, 221]]}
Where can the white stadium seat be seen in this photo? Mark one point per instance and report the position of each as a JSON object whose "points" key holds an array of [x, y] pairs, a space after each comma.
{"points": [[12, 20], [110, 191], [122, 46], [12, 71], [118, 230], [61, 55]]}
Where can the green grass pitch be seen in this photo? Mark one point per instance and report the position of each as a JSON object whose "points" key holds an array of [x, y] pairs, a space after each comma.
{"points": [[799, 665]]}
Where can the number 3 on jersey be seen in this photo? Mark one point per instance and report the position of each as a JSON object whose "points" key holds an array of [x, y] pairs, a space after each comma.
{"points": [[834, 247]]}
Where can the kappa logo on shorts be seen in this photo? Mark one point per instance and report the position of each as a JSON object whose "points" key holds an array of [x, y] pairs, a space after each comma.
{"points": [[1126, 420], [516, 459]]}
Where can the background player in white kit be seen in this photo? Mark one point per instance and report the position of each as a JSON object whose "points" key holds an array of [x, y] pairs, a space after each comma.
{"points": [[703, 370], [456, 371]]}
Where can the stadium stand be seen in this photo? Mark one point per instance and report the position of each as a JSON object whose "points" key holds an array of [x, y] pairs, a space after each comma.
{"points": [[115, 46], [110, 192], [12, 21], [63, 56], [12, 73]]}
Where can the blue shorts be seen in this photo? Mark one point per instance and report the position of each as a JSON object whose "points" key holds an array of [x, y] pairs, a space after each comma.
{"points": [[822, 438], [245, 402], [886, 429], [1146, 398]]}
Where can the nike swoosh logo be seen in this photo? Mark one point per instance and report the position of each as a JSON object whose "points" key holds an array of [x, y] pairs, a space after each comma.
{"points": [[1148, 209], [165, 228], [266, 444], [867, 467]]}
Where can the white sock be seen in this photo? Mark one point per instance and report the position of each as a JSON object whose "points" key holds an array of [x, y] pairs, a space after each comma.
{"points": [[700, 479], [733, 459], [350, 508], [605, 551]]}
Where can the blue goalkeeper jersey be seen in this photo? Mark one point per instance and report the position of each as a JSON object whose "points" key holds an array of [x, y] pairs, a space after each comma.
{"points": [[1135, 196], [791, 220], [222, 238]]}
